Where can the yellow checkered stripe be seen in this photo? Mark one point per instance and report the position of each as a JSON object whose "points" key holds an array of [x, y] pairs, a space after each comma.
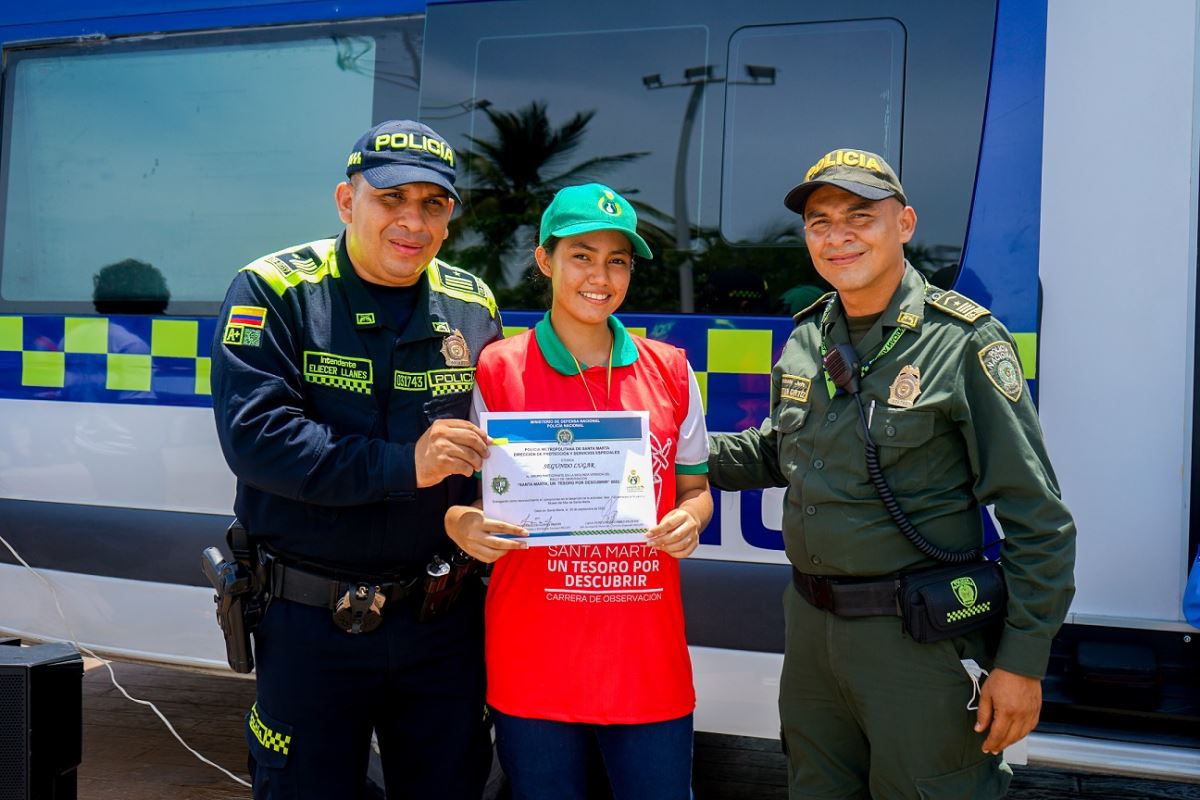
{"points": [[127, 372], [457, 387], [362, 387], [268, 738], [968, 612]]}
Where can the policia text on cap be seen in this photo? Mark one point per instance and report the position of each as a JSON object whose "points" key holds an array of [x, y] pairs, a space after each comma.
{"points": [[342, 377], [876, 696]]}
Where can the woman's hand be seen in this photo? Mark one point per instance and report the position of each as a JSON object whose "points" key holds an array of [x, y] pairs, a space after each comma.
{"points": [[677, 534], [475, 533]]}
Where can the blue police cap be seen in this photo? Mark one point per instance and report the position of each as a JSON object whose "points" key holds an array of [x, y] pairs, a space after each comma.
{"points": [[403, 151]]}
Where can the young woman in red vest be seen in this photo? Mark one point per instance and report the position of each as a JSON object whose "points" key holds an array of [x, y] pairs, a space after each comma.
{"points": [[604, 665]]}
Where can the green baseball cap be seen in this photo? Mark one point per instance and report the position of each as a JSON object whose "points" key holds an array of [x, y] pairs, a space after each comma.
{"points": [[591, 207], [857, 171]]}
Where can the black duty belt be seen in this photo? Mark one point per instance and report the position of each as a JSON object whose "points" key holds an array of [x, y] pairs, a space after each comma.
{"points": [[849, 597], [324, 591]]}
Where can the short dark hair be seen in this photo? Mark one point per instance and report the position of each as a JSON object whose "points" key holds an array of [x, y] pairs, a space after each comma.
{"points": [[130, 287]]}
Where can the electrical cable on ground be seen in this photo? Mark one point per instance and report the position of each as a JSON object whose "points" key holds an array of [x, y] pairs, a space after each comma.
{"points": [[74, 641]]}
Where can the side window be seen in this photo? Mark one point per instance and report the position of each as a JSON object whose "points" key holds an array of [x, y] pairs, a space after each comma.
{"points": [[138, 175], [552, 110], [784, 104], [780, 78]]}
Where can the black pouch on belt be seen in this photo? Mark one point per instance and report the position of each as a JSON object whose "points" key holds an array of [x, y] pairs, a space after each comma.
{"points": [[944, 602]]}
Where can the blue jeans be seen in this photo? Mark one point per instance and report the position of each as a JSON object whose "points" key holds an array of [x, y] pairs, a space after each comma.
{"points": [[547, 760]]}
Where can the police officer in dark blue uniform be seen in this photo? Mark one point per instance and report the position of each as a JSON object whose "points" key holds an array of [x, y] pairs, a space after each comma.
{"points": [[342, 376]]}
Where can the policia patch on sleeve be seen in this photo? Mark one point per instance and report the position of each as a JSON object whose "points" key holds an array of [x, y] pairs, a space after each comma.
{"points": [[1003, 369], [244, 326]]}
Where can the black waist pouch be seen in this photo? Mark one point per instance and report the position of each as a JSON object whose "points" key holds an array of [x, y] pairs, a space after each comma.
{"points": [[944, 602]]}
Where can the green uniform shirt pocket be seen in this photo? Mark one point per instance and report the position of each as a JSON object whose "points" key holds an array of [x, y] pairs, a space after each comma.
{"points": [[905, 439], [790, 417], [789, 422]]}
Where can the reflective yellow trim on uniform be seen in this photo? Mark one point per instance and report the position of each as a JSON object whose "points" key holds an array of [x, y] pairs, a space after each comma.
{"points": [[12, 333], [1027, 352], [174, 337], [286, 268], [85, 335], [267, 737], [128, 373], [203, 376], [453, 282], [744, 352], [42, 368]]}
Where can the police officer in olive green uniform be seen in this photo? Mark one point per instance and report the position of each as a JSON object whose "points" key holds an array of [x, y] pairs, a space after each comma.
{"points": [[866, 710]]}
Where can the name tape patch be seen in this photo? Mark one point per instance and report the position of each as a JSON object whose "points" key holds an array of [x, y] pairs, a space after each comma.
{"points": [[340, 372], [795, 388]]}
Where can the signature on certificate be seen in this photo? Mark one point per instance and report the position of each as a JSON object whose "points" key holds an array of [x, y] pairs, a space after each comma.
{"points": [[534, 521]]}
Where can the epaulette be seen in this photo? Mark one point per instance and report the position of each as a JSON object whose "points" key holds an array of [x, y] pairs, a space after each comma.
{"points": [[461, 285], [312, 262], [956, 305], [820, 301]]}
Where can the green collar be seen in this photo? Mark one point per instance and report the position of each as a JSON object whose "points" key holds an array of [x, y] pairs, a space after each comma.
{"points": [[559, 358], [906, 309]]}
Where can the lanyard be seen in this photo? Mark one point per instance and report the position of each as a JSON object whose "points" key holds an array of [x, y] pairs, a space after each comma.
{"points": [[865, 367], [608, 387]]}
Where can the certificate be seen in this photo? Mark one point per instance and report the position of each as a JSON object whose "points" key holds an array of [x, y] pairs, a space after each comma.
{"points": [[575, 478]]}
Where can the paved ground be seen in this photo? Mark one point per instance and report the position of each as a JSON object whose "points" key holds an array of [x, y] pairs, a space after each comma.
{"points": [[129, 755]]}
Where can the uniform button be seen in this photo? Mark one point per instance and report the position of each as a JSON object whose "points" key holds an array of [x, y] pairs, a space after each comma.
{"points": [[831, 416], [818, 464], [816, 560], [889, 430], [810, 510]]}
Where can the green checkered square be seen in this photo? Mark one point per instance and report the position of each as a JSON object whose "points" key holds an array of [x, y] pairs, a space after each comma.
{"points": [[12, 333], [739, 352], [85, 335], [203, 376], [128, 373], [172, 337], [40, 368]]}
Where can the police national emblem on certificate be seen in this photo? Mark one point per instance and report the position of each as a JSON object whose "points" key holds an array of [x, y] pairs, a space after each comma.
{"points": [[570, 478]]}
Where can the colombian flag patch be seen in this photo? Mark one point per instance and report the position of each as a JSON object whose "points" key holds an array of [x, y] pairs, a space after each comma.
{"points": [[248, 316]]}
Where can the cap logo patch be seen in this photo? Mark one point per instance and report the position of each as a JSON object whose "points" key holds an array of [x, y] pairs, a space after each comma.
{"points": [[355, 158], [608, 204], [844, 158], [414, 141]]}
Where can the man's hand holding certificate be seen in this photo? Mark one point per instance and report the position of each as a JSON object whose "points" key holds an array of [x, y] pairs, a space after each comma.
{"points": [[574, 478]]}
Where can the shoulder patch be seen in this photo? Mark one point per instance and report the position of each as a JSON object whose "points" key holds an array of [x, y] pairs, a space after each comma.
{"points": [[311, 263], [1003, 369], [461, 285], [956, 305], [820, 301]]}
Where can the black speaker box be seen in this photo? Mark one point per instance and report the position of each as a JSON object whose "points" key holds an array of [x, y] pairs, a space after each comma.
{"points": [[41, 721]]}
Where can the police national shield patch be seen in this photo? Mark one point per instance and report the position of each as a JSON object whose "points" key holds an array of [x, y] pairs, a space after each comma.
{"points": [[1003, 369]]}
